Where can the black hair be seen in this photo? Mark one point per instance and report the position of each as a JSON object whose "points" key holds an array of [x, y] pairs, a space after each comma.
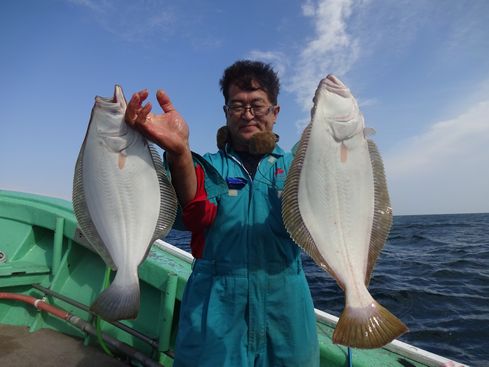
{"points": [[246, 74]]}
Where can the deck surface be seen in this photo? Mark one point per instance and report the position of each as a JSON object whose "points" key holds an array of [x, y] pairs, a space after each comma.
{"points": [[48, 348]]}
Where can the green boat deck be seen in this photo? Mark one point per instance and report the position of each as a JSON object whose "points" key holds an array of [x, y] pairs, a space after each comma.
{"points": [[44, 255]]}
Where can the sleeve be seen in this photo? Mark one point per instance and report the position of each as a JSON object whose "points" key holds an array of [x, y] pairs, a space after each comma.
{"points": [[199, 214]]}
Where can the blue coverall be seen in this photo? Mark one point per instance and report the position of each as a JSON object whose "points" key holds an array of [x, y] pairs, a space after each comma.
{"points": [[247, 301]]}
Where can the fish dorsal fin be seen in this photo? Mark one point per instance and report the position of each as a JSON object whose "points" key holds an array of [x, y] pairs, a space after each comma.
{"points": [[83, 215], [168, 197], [290, 205], [382, 220]]}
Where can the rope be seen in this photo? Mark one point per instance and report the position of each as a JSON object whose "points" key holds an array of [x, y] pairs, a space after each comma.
{"points": [[98, 322]]}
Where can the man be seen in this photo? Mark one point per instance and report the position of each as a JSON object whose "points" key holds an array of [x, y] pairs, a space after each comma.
{"points": [[247, 302]]}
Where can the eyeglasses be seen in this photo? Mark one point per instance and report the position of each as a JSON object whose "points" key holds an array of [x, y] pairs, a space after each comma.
{"points": [[256, 110]]}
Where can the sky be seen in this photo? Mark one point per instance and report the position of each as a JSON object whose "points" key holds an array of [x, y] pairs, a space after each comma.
{"points": [[419, 70]]}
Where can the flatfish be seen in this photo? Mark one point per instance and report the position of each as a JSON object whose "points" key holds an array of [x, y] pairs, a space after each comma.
{"points": [[336, 206], [123, 201]]}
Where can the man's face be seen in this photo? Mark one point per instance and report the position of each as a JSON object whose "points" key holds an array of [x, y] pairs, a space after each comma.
{"points": [[242, 126]]}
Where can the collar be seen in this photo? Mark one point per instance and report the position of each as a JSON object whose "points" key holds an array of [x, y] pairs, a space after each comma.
{"points": [[277, 152]]}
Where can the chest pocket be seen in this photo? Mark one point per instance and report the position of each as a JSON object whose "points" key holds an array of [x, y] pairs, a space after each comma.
{"points": [[235, 185], [274, 196], [275, 192], [277, 188], [277, 183]]}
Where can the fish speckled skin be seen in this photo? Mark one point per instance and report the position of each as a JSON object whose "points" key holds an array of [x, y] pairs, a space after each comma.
{"points": [[336, 207], [123, 201]]}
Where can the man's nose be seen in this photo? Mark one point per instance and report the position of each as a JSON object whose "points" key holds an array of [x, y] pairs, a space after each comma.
{"points": [[247, 115]]}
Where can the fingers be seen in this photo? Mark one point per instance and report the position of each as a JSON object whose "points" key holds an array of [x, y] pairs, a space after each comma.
{"points": [[143, 114], [164, 101], [134, 107], [137, 114]]}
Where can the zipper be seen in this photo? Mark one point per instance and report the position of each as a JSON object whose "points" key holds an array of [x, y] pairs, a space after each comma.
{"points": [[242, 165], [253, 338]]}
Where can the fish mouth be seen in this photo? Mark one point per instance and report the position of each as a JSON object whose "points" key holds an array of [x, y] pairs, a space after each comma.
{"points": [[117, 136], [336, 86], [335, 101], [331, 85], [116, 101]]}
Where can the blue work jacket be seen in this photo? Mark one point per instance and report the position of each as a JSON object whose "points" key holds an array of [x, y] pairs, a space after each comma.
{"points": [[247, 302]]}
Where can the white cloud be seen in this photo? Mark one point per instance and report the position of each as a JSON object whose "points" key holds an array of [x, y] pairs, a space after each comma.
{"points": [[331, 50], [367, 102], [446, 168], [276, 58], [308, 8], [445, 141]]}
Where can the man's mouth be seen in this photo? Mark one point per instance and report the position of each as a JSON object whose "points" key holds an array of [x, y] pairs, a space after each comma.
{"points": [[248, 126]]}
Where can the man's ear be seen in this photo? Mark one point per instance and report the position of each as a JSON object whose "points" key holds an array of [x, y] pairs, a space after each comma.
{"points": [[276, 110]]}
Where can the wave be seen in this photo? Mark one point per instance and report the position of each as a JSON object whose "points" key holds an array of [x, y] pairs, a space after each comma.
{"points": [[424, 225]]}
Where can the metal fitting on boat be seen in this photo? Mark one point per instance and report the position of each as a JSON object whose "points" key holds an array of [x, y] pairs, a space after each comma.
{"points": [[3, 257]]}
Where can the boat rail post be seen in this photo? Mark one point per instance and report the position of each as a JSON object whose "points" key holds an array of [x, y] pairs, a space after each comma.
{"points": [[58, 244], [167, 305]]}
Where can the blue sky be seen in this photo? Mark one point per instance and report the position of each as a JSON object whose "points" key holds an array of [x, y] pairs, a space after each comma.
{"points": [[419, 69]]}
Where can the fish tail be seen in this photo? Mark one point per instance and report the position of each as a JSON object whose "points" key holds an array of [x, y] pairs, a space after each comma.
{"points": [[120, 301], [369, 327]]}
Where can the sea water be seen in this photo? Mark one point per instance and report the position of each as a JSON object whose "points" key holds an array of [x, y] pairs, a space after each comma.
{"points": [[433, 274]]}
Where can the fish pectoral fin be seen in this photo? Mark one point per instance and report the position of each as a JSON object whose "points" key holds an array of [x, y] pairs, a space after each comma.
{"points": [[368, 131], [343, 153], [122, 159]]}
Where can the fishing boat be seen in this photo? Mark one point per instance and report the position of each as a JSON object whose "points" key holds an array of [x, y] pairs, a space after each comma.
{"points": [[49, 275]]}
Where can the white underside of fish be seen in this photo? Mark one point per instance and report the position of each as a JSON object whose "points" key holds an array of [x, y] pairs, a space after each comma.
{"points": [[336, 206], [123, 201], [336, 200]]}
